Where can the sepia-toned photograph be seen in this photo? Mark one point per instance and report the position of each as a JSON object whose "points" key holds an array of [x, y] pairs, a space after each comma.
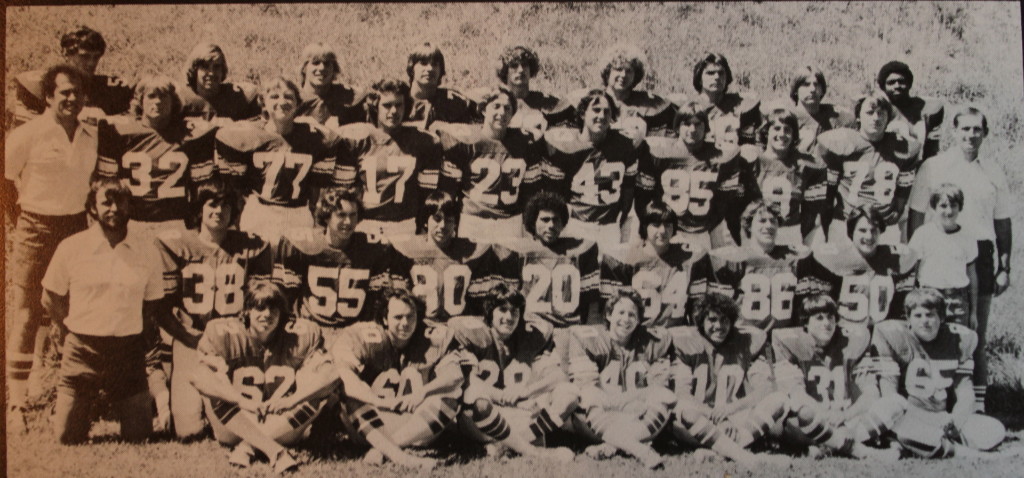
{"points": [[714, 239]]}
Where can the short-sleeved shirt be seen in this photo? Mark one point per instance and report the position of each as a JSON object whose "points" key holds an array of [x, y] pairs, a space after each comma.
{"points": [[986, 193], [107, 93], [42, 161], [106, 286], [447, 105], [944, 256]]}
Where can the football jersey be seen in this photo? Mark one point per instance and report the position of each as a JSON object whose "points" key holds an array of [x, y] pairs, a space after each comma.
{"points": [[698, 188], [597, 179], [792, 186], [556, 112], [205, 281], [719, 375], [878, 174], [827, 374], [763, 283], [158, 168], [924, 117], [927, 373], [560, 283], [334, 287], [393, 173], [108, 93], [261, 372], [668, 283], [526, 358], [867, 291], [234, 101], [456, 282], [281, 170], [733, 120], [828, 117], [390, 371], [339, 105], [494, 178], [594, 359], [447, 105]]}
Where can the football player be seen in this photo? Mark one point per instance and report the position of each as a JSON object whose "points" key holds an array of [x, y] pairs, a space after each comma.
{"points": [[921, 116], [868, 281], [326, 101], [81, 47], [430, 102], [205, 270], [814, 116], [278, 163], [535, 110], [869, 166], [595, 167], [760, 274], [924, 367], [392, 165], [668, 276], [263, 378], [492, 169], [623, 374], [452, 275], [723, 382], [209, 97], [733, 117], [402, 379], [517, 391], [701, 183]]}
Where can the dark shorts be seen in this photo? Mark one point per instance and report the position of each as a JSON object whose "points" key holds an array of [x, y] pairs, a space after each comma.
{"points": [[115, 365], [985, 267], [35, 239]]}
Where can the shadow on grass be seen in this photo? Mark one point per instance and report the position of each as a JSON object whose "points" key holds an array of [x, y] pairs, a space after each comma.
{"points": [[1006, 403]]}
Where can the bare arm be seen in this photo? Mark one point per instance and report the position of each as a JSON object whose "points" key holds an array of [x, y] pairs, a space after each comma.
{"points": [[56, 306]]}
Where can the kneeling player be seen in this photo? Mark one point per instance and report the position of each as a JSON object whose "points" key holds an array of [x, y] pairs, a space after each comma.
{"points": [[924, 370], [263, 378], [623, 373], [722, 381], [516, 376], [401, 382]]}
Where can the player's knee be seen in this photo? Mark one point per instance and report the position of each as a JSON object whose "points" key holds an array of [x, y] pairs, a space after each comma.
{"points": [[565, 395], [660, 397], [775, 404], [482, 408], [889, 409]]}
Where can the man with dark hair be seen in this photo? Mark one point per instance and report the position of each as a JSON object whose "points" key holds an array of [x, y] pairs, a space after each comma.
{"points": [[806, 100], [920, 116], [208, 96], [430, 102], [733, 117]]}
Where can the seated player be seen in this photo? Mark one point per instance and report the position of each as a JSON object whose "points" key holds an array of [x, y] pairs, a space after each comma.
{"points": [[819, 366], [264, 378], [760, 274], [791, 181], [402, 379], [867, 281], [701, 183], [330, 273], [622, 372], [393, 166], [922, 116], [452, 275], [924, 369], [723, 382], [327, 101], [492, 169], [535, 110], [205, 270], [278, 164], [868, 166], [733, 117], [430, 102], [814, 116], [595, 167], [667, 276], [209, 97], [517, 392]]}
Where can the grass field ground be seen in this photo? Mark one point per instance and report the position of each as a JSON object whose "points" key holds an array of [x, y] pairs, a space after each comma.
{"points": [[959, 51]]}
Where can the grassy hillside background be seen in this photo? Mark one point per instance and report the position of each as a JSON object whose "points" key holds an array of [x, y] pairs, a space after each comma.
{"points": [[961, 52]]}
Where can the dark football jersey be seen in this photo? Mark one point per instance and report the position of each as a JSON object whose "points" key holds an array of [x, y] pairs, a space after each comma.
{"points": [[794, 187], [205, 281], [927, 373], [668, 283], [763, 284], [393, 173], [447, 105], [733, 120], [456, 282], [234, 101], [556, 112], [281, 170], [828, 117], [334, 287], [339, 105], [560, 283], [108, 93], [526, 358], [719, 375], [594, 359], [158, 168], [924, 117], [493, 178], [827, 374], [597, 179]]}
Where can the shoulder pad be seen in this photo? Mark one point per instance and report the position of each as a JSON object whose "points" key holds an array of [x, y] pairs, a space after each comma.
{"points": [[663, 147], [687, 340], [249, 90], [309, 241], [749, 152], [470, 332], [454, 95], [306, 335], [562, 138], [892, 331], [859, 338], [787, 340], [169, 236], [841, 141], [968, 339], [730, 153], [542, 327], [245, 136], [679, 99], [756, 339], [748, 101], [355, 131], [650, 100], [731, 254], [660, 334], [932, 105], [841, 116], [768, 106], [580, 246]]}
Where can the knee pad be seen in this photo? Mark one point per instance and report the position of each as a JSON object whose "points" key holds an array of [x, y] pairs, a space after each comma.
{"points": [[366, 419], [438, 412], [565, 395]]}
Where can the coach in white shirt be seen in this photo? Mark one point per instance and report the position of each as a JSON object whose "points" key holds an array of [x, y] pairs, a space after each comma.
{"points": [[101, 286], [49, 160], [986, 215]]}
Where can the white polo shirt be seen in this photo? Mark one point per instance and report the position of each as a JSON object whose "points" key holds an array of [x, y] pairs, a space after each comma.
{"points": [[105, 286], [51, 172], [986, 193]]}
